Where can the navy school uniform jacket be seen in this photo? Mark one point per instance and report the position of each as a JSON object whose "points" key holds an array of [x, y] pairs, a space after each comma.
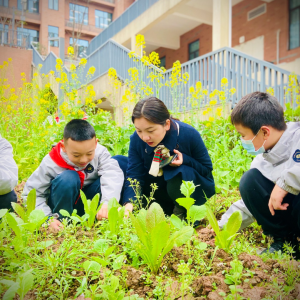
{"points": [[196, 167]]}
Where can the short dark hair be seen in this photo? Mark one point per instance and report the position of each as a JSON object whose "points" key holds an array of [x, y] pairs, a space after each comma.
{"points": [[79, 130], [258, 109], [152, 109]]}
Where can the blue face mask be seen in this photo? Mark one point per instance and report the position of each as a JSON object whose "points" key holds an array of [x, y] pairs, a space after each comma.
{"points": [[249, 147]]}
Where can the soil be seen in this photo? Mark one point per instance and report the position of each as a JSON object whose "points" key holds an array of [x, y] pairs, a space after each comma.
{"points": [[204, 286]]}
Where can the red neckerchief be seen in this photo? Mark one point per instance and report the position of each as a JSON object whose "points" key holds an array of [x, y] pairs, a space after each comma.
{"points": [[56, 157]]}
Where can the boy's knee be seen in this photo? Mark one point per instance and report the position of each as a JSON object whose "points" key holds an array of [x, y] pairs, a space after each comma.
{"points": [[67, 179], [249, 180], [7, 199]]}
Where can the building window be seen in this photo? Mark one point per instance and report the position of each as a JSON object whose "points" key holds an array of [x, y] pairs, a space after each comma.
{"points": [[163, 62], [81, 45], [53, 4], [79, 14], [53, 32], [24, 33], [29, 5], [193, 50], [294, 24], [102, 18], [4, 3], [3, 34]]}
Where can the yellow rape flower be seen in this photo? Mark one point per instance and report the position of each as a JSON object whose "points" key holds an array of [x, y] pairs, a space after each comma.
{"points": [[83, 62], [91, 70], [140, 41], [72, 67], [70, 50], [211, 119], [232, 91], [224, 81]]}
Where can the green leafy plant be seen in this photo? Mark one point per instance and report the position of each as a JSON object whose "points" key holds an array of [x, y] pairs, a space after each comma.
{"points": [[91, 207], [102, 247], [154, 236], [30, 206], [20, 239], [193, 212], [225, 237], [21, 286], [31, 218], [234, 278], [74, 217], [115, 215]]}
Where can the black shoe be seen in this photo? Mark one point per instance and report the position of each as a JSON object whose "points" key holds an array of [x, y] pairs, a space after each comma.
{"points": [[196, 224], [180, 212], [278, 245]]}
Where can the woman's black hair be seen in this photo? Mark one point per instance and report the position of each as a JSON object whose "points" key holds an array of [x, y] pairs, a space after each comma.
{"points": [[152, 109]]}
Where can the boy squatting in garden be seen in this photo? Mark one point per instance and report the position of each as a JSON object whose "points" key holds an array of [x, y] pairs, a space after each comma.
{"points": [[270, 189], [77, 162], [8, 175]]}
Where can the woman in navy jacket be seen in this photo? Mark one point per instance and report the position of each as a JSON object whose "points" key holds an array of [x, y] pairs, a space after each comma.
{"points": [[154, 126]]}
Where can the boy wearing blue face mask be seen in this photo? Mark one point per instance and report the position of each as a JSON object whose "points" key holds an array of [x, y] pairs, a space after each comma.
{"points": [[270, 189]]}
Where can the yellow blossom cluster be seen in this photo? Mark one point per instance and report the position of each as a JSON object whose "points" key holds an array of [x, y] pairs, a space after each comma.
{"points": [[113, 78], [197, 94]]}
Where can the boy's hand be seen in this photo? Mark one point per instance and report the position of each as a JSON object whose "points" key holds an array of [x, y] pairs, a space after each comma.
{"points": [[275, 202], [55, 225], [179, 159], [103, 212]]}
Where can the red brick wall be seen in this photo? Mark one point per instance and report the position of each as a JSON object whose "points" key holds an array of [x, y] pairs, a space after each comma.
{"points": [[202, 32], [276, 17], [121, 6], [21, 62]]}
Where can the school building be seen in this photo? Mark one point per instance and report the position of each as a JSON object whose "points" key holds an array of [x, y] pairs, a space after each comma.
{"points": [[254, 43]]}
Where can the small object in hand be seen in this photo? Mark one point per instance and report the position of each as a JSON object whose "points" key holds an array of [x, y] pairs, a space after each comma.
{"points": [[167, 161]]}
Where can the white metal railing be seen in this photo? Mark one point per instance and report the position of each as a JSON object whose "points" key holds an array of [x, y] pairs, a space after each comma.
{"points": [[244, 73]]}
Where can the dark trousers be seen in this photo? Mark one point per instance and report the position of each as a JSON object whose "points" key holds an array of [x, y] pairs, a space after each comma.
{"points": [[64, 192], [256, 191], [167, 192], [5, 200]]}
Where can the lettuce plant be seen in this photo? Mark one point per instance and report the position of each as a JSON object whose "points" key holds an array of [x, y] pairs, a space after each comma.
{"points": [[193, 212], [30, 206], [225, 237], [21, 286], [91, 207], [155, 238], [115, 215]]}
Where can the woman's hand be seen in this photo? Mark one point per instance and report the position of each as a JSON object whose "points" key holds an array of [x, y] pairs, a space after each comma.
{"points": [[178, 160]]}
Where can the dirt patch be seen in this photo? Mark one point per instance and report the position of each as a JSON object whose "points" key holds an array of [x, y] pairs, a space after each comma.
{"points": [[250, 261], [206, 234], [19, 189], [202, 286]]}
